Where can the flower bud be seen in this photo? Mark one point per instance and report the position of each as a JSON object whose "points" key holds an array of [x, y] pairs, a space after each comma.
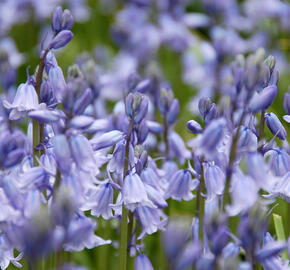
{"points": [[263, 100], [173, 111], [271, 62], [83, 101], [136, 107], [275, 126], [194, 126], [212, 113], [61, 39], [67, 20], [142, 132], [56, 20], [165, 98], [204, 105]]}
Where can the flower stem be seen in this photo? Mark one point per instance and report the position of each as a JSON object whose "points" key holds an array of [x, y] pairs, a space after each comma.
{"points": [[38, 131], [261, 130], [233, 152], [200, 204], [124, 222]]}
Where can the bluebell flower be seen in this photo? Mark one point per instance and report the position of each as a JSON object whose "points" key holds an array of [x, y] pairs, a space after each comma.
{"points": [[279, 161], [45, 116], [282, 187], [7, 255], [270, 250], [173, 111], [25, 100], [242, 201], [214, 180], [61, 39], [57, 82], [189, 256], [136, 107], [263, 100], [154, 127], [231, 250], [100, 201], [83, 101], [248, 141], [62, 153], [142, 132], [80, 234], [194, 126], [81, 122], [155, 195], [275, 126], [177, 148], [151, 220], [61, 20], [134, 192], [107, 139], [204, 106], [181, 186], [116, 163], [208, 141], [261, 176], [142, 263]]}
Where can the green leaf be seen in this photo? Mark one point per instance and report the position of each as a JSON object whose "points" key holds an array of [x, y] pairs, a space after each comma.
{"points": [[278, 223]]}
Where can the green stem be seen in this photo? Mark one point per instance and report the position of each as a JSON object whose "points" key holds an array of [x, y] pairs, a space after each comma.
{"points": [[38, 132], [233, 152], [124, 222], [261, 130], [201, 205]]}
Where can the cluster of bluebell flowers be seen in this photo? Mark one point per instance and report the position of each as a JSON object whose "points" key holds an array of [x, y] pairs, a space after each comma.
{"points": [[84, 173]]}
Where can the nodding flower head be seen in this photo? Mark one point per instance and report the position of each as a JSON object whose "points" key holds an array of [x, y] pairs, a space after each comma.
{"points": [[25, 100], [263, 100], [275, 126]]}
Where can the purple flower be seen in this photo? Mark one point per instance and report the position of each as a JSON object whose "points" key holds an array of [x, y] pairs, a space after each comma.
{"points": [[82, 153], [270, 250], [107, 139], [173, 111], [275, 126], [25, 100], [279, 162], [263, 100], [62, 153], [242, 201], [151, 219], [61, 20], [142, 263], [134, 192], [100, 201], [214, 180], [194, 126], [181, 186], [57, 82], [61, 39], [80, 235], [282, 187]]}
